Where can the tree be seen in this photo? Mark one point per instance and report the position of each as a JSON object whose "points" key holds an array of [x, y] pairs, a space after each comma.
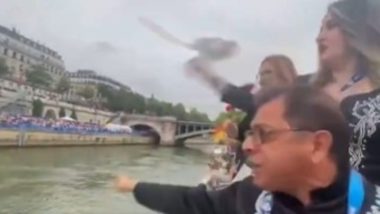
{"points": [[74, 114], [62, 112], [154, 106], [167, 109], [4, 70], [37, 76], [87, 92], [63, 85], [37, 108], [179, 112], [107, 94], [127, 101], [195, 115], [105, 91], [118, 101], [136, 103]]}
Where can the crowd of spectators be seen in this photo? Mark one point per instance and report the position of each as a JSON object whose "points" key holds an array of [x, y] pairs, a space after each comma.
{"points": [[28, 123]]}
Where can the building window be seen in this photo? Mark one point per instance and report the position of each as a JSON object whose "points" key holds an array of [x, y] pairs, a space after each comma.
{"points": [[5, 51], [14, 55], [22, 58]]}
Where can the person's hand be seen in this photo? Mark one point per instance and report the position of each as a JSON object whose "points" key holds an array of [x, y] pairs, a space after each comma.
{"points": [[202, 69], [125, 184], [197, 66]]}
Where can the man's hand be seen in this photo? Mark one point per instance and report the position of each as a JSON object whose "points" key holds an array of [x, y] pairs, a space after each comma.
{"points": [[125, 184]]}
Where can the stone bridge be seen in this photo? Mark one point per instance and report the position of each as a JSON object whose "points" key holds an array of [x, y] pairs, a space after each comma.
{"points": [[170, 130]]}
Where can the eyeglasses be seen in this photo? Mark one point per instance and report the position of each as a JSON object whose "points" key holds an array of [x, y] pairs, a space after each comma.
{"points": [[261, 136]]}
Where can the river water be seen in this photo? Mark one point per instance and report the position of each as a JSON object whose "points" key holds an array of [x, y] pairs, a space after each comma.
{"points": [[79, 180]]}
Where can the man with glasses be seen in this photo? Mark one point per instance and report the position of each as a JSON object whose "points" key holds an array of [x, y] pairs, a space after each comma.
{"points": [[297, 146]]}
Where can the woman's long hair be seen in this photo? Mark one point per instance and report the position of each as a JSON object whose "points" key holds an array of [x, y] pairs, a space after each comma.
{"points": [[360, 22], [283, 67]]}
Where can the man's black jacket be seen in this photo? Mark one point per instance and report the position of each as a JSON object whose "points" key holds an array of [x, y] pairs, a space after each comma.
{"points": [[244, 198]]}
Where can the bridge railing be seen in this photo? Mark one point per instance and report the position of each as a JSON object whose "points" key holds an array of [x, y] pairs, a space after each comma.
{"points": [[148, 117], [194, 122], [185, 136]]}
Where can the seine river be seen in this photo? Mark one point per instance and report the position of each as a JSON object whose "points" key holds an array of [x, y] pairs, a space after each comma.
{"points": [[79, 180]]}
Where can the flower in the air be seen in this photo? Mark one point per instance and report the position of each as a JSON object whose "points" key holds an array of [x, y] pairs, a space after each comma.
{"points": [[230, 108], [227, 129], [219, 134]]}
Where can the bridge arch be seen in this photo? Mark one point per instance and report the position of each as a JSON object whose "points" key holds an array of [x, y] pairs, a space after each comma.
{"points": [[50, 114], [168, 129], [154, 131]]}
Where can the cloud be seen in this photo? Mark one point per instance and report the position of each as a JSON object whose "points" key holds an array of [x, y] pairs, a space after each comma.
{"points": [[107, 37]]}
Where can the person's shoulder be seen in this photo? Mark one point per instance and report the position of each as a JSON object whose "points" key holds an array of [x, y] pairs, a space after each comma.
{"points": [[244, 185], [243, 194], [348, 102], [254, 197], [371, 203], [245, 189]]}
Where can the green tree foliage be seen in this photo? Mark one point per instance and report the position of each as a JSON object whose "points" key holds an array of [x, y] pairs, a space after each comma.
{"points": [[105, 91], [37, 108], [4, 70], [153, 106], [180, 112], [63, 85], [38, 77], [62, 112], [198, 116], [74, 114], [131, 102], [87, 92]]}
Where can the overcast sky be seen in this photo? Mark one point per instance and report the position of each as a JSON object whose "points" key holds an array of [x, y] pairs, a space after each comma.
{"points": [[106, 36]]}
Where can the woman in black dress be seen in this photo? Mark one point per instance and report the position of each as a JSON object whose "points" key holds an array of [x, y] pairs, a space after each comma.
{"points": [[349, 55]]}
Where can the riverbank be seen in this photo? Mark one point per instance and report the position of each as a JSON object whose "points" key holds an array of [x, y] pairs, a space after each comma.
{"points": [[10, 138]]}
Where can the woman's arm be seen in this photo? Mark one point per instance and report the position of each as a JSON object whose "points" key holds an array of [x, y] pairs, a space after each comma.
{"points": [[239, 98], [229, 93], [202, 69]]}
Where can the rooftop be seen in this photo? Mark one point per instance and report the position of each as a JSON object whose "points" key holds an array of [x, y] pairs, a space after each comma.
{"points": [[17, 36], [93, 75]]}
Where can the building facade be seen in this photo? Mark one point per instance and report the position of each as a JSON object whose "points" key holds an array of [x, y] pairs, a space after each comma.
{"points": [[20, 53], [85, 78], [16, 99]]}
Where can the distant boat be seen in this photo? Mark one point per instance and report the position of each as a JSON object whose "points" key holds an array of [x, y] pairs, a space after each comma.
{"points": [[67, 118], [117, 127]]}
